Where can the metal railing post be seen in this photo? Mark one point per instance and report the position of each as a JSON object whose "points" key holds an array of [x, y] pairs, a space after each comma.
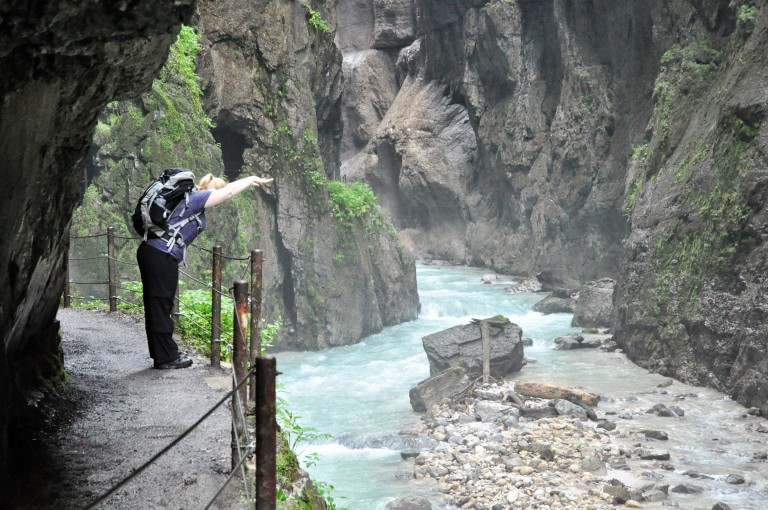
{"points": [[216, 309], [239, 360], [67, 288], [257, 264], [111, 269], [266, 434], [486, 339]]}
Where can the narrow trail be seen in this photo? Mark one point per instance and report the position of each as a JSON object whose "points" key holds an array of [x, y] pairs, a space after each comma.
{"points": [[115, 413]]}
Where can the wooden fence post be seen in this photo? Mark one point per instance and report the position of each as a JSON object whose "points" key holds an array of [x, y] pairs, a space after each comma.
{"points": [[257, 264], [111, 269], [216, 309]]}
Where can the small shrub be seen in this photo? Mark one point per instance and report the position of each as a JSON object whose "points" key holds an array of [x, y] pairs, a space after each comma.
{"points": [[747, 14], [350, 201]]}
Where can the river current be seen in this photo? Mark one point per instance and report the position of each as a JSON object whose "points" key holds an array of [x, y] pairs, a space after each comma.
{"points": [[358, 394]]}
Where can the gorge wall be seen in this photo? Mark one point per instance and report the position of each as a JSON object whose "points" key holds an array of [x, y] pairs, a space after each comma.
{"points": [[572, 138], [498, 132], [60, 63], [272, 82], [537, 136]]}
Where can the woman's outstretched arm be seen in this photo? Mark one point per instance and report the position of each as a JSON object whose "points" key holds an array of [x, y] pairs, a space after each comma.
{"points": [[233, 188]]}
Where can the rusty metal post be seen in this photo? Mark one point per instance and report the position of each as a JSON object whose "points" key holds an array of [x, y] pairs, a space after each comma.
{"points": [[216, 309], [239, 360], [257, 264], [486, 337], [111, 269], [239, 357], [266, 434], [67, 289]]}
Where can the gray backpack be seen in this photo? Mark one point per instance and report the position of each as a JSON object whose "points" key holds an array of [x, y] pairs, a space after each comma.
{"points": [[157, 203]]}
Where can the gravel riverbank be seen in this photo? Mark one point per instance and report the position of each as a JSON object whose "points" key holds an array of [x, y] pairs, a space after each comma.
{"points": [[489, 455]]}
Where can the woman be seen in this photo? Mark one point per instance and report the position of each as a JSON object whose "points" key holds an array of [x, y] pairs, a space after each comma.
{"points": [[159, 265]]}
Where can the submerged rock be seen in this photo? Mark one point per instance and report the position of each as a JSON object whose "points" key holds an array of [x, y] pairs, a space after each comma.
{"points": [[554, 304]]}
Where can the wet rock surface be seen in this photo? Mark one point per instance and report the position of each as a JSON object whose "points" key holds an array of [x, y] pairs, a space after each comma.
{"points": [[114, 413], [495, 451]]}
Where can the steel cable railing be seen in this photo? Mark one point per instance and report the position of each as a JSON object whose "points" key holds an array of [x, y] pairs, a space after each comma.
{"points": [[166, 449]]}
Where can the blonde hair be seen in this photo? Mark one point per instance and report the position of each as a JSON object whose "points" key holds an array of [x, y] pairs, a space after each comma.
{"points": [[209, 183]]}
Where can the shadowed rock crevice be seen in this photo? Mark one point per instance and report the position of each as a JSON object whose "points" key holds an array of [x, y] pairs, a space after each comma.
{"points": [[233, 145]]}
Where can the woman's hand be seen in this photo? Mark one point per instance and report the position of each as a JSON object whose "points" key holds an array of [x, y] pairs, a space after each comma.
{"points": [[233, 188], [258, 181]]}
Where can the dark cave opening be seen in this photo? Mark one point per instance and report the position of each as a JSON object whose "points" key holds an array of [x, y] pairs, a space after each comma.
{"points": [[233, 145]]}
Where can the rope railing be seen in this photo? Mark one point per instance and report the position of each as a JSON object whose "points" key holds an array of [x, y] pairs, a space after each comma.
{"points": [[264, 494], [239, 259], [100, 234], [87, 258]]}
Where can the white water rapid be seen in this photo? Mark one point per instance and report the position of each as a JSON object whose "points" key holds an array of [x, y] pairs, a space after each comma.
{"points": [[359, 395]]}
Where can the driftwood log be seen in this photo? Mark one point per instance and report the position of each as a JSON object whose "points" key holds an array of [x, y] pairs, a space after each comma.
{"points": [[549, 391]]}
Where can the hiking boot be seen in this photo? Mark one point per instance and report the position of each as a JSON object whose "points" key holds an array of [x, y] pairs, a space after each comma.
{"points": [[180, 362]]}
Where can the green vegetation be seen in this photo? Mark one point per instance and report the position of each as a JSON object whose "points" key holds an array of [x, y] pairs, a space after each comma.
{"points": [[316, 21], [182, 62], [350, 202], [640, 152], [686, 258], [294, 439], [634, 193], [684, 70], [695, 157], [195, 309], [747, 14], [299, 159]]}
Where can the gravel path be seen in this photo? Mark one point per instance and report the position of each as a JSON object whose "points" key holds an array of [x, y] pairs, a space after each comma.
{"points": [[116, 413]]}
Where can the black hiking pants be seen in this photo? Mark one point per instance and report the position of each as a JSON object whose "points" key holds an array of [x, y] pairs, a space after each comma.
{"points": [[159, 278]]}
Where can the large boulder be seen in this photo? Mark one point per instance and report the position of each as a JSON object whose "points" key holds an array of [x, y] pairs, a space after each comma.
{"points": [[594, 308], [555, 304], [433, 390], [461, 346], [410, 503]]}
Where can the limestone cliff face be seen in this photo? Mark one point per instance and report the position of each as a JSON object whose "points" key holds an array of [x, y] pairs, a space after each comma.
{"points": [[529, 111], [273, 87], [538, 136], [691, 293], [60, 63]]}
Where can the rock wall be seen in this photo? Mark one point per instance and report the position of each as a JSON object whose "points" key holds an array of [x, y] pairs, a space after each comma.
{"points": [[273, 81], [507, 141], [690, 295], [60, 63], [539, 136]]}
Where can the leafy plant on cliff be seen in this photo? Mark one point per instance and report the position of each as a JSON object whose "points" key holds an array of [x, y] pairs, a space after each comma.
{"points": [[295, 437], [707, 243], [684, 70], [747, 14], [315, 20], [350, 201], [182, 62]]}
